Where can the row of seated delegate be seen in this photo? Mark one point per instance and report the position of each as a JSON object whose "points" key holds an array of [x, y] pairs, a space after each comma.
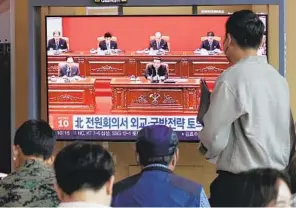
{"points": [[155, 71], [157, 42]]}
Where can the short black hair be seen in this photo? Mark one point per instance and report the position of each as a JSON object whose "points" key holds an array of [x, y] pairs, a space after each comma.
{"points": [[210, 33], [83, 165], [259, 187], [107, 35], [69, 57], [56, 32], [246, 28], [36, 138]]}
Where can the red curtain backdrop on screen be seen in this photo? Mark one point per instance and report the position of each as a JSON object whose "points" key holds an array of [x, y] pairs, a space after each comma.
{"points": [[133, 32]]}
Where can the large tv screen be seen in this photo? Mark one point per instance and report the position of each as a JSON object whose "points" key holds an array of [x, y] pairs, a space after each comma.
{"points": [[108, 76]]}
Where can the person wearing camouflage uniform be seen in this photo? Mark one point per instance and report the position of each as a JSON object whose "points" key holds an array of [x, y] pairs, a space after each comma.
{"points": [[32, 185]]}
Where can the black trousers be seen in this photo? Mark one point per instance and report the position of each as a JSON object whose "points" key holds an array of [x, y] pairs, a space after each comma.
{"points": [[226, 190]]}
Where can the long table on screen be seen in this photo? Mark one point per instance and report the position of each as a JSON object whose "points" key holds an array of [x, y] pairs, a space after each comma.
{"points": [[130, 96], [76, 96], [105, 67]]}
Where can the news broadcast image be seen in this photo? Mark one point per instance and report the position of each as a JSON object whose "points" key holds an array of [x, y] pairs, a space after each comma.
{"points": [[109, 76]]}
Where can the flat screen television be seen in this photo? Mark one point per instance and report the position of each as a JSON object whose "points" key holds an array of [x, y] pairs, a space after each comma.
{"points": [[108, 76]]}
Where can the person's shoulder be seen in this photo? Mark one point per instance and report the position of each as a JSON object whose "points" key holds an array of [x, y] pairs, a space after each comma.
{"points": [[51, 40], [277, 76], [62, 66], [149, 66], [164, 66], [125, 183], [29, 187], [230, 71], [10, 178], [113, 41], [188, 186], [37, 171], [11, 184], [102, 41]]}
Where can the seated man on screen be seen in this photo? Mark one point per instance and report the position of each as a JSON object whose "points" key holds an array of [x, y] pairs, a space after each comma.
{"points": [[158, 43], [210, 44], [57, 43], [107, 44], [70, 69], [156, 71]]}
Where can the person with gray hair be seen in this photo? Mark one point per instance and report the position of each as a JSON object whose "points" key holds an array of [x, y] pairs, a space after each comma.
{"points": [[158, 43]]}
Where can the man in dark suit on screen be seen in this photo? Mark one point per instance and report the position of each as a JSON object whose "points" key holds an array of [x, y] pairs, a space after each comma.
{"points": [[210, 43], [158, 43], [70, 69], [156, 71], [107, 44], [57, 43]]}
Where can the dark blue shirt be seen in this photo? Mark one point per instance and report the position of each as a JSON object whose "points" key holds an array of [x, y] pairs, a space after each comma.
{"points": [[158, 187]]}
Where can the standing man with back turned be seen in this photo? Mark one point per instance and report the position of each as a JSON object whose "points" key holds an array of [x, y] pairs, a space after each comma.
{"points": [[247, 123]]}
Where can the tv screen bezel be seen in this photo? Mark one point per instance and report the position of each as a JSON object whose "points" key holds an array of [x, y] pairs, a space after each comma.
{"points": [[123, 16]]}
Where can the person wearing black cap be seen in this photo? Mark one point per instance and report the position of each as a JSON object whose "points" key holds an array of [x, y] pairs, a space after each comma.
{"points": [[210, 43], [157, 185]]}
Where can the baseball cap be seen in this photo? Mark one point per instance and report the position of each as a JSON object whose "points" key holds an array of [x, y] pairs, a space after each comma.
{"points": [[156, 141]]}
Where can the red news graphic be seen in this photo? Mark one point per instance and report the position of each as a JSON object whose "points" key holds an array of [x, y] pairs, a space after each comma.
{"points": [[61, 122]]}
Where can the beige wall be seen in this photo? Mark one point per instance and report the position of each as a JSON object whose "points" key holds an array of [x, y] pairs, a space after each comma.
{"points": [[191, 164]]}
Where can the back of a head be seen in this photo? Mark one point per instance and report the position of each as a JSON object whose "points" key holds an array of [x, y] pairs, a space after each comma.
{"points": [[261, 187], [156, 144], [81, 166], [246, 28], [35, 138]]}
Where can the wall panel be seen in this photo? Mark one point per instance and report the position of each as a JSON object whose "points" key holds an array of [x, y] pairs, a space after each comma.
{"points": [[157, 10], [21, 61], [221, 9], [273, 35], [102, 11]]}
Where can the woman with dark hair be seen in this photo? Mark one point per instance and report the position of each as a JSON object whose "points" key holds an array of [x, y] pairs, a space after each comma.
{"points": [[264, 188]]}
